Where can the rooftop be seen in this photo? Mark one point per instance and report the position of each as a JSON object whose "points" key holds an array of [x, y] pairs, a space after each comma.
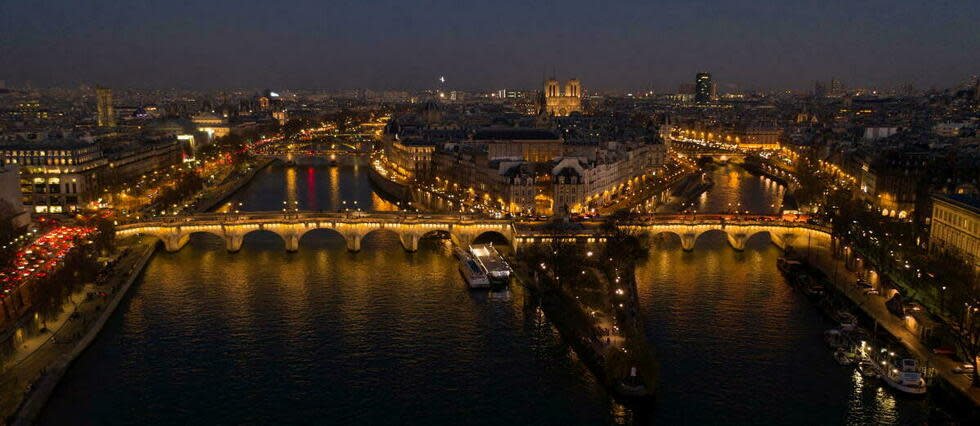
{"points": [[514, 134], [966, 201], [47, 143]]}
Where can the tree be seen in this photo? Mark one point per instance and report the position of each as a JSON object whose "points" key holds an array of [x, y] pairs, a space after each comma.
{"points": [[294, 126], [7, 231], [345, 119], [811, 186], [106, 238]]}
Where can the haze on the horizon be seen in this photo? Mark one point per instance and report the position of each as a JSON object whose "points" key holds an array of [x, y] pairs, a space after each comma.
{"points": [[477, 45]]}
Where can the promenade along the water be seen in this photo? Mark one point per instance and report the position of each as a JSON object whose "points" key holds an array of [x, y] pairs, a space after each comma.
{"points": [[387, 336]]}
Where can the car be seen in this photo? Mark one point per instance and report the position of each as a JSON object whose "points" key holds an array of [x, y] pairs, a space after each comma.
{"points": [[964, 369]]}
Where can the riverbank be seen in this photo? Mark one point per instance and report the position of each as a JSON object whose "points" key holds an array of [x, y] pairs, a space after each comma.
{"points": [[757, 170], [222, 192], [650, 196], [51, 361], [598, 318], [44, 368], [873, 306], [399, 191]]}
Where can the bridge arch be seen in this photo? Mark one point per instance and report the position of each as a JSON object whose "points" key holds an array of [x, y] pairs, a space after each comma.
{"points": [[432, 233], [770, 236], [385, 230], [492, 236], [726, 233], [664, 236], [322, 231], [206, 234], [234, 241]]}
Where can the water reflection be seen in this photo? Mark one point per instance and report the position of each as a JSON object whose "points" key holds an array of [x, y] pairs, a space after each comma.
{"points": [[387, 337], [735, 189], [321, 187], [732, 334]]}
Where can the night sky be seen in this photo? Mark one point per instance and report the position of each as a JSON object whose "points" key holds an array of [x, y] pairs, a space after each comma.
{"points": [[487, 45]]}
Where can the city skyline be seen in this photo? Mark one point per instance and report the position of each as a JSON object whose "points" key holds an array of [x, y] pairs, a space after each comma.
{"points": [[505, 213], [755, 46]]}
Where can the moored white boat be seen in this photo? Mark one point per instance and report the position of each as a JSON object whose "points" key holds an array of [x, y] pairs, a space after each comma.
{"points": [[905, 378], [497, 269], [848, 321], [473, 273]]}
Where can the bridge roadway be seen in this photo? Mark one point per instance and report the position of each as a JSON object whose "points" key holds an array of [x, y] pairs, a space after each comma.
{"points": [[175, 231]]}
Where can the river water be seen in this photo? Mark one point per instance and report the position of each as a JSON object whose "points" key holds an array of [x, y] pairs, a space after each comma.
{"points": [[324, 336]]}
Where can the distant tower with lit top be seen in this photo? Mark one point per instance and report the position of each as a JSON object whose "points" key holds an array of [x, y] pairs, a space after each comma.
{"points": [[106, 113], [561, 103]]}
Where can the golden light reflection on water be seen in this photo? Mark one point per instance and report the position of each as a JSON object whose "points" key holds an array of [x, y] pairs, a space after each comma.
{"points": [[334, 173], [290, 185], [381, 204]]}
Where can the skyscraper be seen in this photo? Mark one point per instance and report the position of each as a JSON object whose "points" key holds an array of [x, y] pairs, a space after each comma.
{"points": [[107, 116], [702, 88]]}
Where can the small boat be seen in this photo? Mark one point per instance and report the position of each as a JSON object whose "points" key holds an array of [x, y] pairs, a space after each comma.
{"points": [[848, 321], [632, 386], [867, 368], [835, 338], [842, 357], [814, 290], [906, 378], [788, 265], [460, 253]]}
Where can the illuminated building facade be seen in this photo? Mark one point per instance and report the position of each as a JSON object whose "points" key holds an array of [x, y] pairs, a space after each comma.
{"points": [[579, 179], [56, 175], [955, 226], [559, 103], [60, 175], [211, 124]]}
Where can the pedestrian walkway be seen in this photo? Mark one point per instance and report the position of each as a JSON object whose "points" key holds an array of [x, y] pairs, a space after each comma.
{"points": [[58, 332], [50, 353]]}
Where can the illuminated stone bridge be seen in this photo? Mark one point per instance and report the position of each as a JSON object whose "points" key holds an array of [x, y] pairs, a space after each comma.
{"points": [[232, 228], [175, 231]]}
